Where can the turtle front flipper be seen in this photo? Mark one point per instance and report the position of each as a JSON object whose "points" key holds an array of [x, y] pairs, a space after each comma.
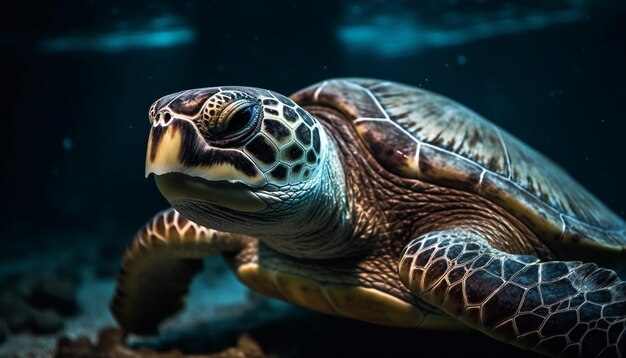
{"points": [[158, 266], [554, 308]]}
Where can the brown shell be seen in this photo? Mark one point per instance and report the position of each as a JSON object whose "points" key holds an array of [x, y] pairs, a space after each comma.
{"points": [[419, 134]]}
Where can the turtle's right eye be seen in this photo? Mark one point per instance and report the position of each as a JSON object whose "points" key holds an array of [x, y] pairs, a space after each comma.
{"points": [[229, 118], [240, 120], [235, 119]]}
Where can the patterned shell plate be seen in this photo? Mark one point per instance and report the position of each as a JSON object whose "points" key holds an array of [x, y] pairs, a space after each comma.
{"points": [[418, 134]]}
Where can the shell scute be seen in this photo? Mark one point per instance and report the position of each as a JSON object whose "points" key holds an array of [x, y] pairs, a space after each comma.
{"points": [[349, 97], [396, 159], [418, 134]]}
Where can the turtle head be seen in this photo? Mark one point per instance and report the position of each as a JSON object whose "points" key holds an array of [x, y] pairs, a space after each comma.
{"points": [[226, 155]]}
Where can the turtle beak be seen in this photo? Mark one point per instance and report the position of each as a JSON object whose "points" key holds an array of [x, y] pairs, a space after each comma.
{"points": [[187, 167], [176, 145]]}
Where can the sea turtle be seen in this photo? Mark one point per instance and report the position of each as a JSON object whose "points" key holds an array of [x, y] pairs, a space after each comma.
{"points": [[380, 202]]}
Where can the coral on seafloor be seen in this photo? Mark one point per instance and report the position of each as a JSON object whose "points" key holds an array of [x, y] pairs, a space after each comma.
{"points": [[111, 344], [36, 303]]}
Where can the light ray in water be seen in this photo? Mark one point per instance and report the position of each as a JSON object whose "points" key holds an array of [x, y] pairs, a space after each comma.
{"points": [[161, 33], [396, 35]]}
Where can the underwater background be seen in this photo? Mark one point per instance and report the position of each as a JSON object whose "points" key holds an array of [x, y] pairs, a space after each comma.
{"points": [[77, 78]]}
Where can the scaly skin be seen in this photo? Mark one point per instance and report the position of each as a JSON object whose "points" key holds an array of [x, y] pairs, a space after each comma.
{"points": [[554, 308], [158, 266]]}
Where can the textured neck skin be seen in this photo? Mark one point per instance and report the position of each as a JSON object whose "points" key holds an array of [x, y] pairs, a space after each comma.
{"points": [[316, 224], [390, 211], [312, 220]]}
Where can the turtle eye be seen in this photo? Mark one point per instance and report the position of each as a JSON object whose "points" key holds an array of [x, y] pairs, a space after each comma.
{"points": [[239, 120], [236, 119]]}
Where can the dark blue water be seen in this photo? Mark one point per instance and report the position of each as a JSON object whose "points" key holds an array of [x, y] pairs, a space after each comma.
{"points": [[78, 78]]}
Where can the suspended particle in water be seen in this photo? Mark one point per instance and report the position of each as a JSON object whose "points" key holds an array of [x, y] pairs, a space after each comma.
{"points": [[68, 143], [461, 60]]}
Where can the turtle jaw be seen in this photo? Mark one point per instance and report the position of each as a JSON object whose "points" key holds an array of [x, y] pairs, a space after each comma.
{"points": [[187, 168], [234, 196], [177, 146]]}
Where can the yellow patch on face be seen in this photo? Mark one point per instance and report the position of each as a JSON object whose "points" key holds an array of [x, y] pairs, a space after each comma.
{"points": [[219, 183], [165, 151], [365, 304], [164, 156]]}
